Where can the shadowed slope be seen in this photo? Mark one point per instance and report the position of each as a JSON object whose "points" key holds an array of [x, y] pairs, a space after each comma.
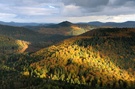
{"points": [[37, 40]]}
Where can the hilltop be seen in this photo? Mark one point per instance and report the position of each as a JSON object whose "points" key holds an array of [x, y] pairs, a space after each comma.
{"points": [[65, 28], [65, 24]]}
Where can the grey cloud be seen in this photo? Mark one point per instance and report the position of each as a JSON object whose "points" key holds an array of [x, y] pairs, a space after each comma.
{"points": [[81, 3], [86, 3], [121, 2], [104, 7], [87, 7]]}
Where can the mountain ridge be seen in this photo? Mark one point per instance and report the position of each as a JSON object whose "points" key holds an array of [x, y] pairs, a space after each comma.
{"points": [[95, 23], [128, 24]]}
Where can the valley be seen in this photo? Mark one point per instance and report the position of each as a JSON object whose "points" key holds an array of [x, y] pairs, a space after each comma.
{"points": [[67, 56]]}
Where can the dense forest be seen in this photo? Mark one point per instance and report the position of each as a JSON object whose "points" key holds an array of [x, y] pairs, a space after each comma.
{"points": [[99, 59]]}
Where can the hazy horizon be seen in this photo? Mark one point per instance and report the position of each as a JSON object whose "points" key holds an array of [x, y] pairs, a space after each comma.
{"points": [[64, 21]]}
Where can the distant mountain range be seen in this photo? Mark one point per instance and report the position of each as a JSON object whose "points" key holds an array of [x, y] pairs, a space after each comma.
{"points": [[129, 24], [19, 24]]}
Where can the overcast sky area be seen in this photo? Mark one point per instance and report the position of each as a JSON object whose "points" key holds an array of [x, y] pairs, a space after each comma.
{"points": [[53, 11]]}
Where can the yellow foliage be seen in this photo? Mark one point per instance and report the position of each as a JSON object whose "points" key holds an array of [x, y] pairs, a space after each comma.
{"points": [[26, 73]]}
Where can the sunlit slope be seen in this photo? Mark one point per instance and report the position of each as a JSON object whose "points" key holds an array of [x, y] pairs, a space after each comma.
{"points": [[98, 58], [10, 45]]}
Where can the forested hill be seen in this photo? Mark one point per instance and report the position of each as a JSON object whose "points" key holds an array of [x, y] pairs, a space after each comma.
{"points": [[64, 28], [101, 58]]}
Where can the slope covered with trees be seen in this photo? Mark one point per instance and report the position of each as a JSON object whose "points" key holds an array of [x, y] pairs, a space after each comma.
{"points": [[98, 59], [102, 58]]}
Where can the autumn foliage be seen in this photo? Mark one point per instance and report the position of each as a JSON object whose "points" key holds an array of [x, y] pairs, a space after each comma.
{"points": [[99, 58]]}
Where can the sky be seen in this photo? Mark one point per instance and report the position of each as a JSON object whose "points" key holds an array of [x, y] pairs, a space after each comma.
{"points": [[53, 11]]}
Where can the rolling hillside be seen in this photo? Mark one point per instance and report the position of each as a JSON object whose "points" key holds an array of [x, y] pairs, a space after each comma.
{"points": [[101, 58], [20, 33], [98, 59], [37, 40]]}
